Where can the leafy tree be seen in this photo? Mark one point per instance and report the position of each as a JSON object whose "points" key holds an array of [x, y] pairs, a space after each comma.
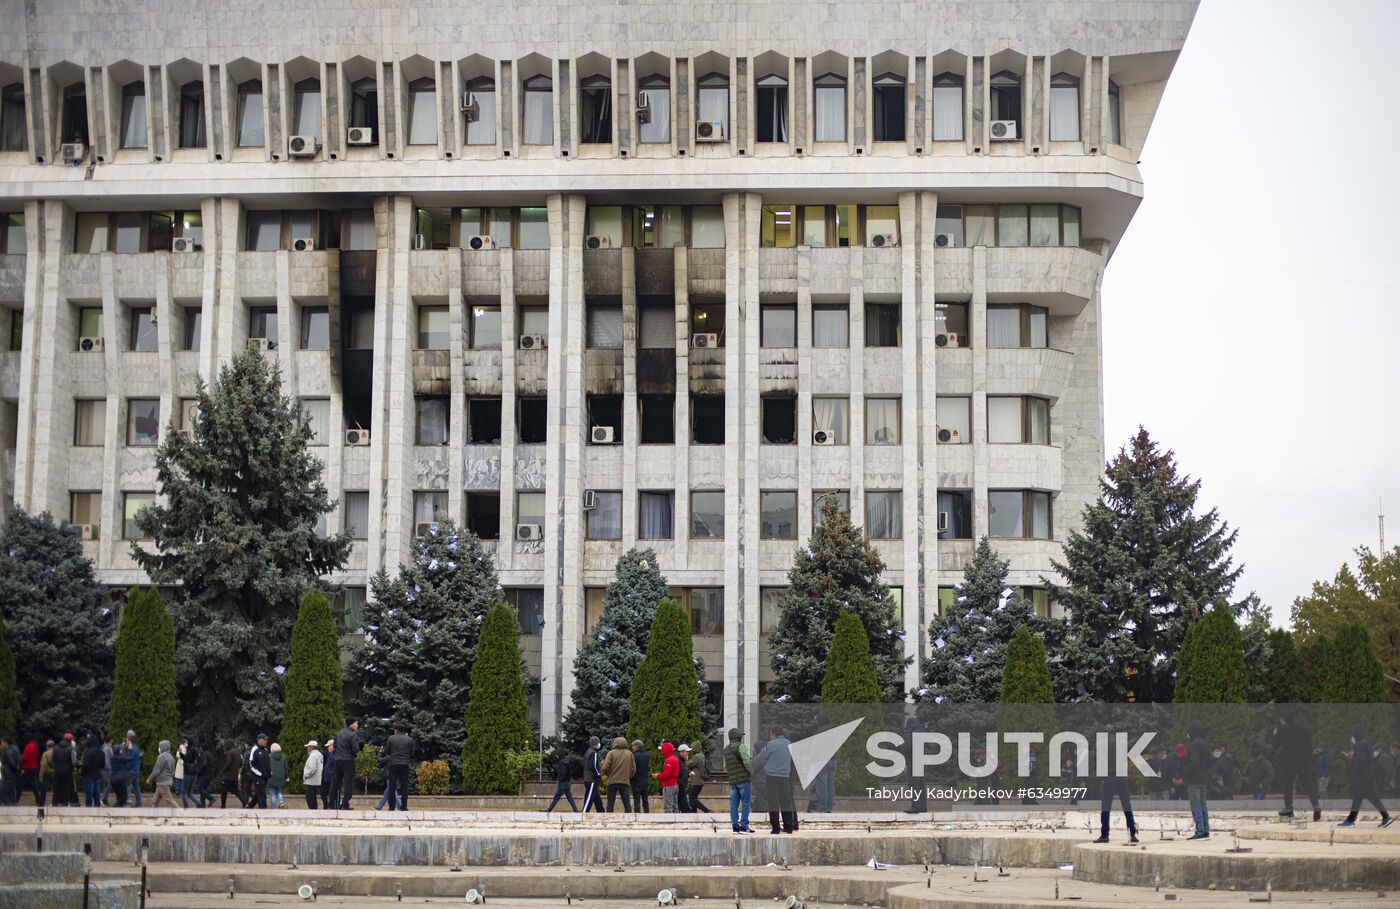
{"points": [[1276, 670], [838, 570], [237, 532], [1135, 576], [498, 717], [143, 697], [1026, 676], [1315, 659], [665, 702], [1210, 668], [59, 626], [314, 700], [9, 684], [1370, 597], [421, 637], [969, 640], [850, 671]]}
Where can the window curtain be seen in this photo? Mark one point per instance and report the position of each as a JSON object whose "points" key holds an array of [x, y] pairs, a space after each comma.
{"points": [[597, 115], [672, 226], [830, 326], [134, 116], [539, 118], [830, 114], [707, 227], [773, 107], [833, 415], [658, 328], [953, 415], [956, 506], [1039, 420], [1064, 113], [318, 414], [192, 116], [947, 113], [882, 421], [654, 516], [1011, 225], [429, 507], [534, 320], [1039, 329], [308, 113], [770, 608], [486, 327], [357, 230], [92, 422], [432, 421], [250, 118], [779, 325], [707, 610], [605, 327], [482, 130], [658, 128], [1045, 225], [605, 518], [882, 515], [423, 120], [1005, 520], [357, 515], [1003, 327], [1040, 515], [1004, 420], [714, 105]]}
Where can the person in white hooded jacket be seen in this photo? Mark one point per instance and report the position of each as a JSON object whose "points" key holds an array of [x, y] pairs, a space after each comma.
{"points": [[311, 773]]}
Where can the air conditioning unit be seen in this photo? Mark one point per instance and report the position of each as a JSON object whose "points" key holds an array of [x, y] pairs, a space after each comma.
{"points": [[302, 146], [643, 108], [529, 532], [710, 131], [532, 342], [471, 111], [360, 135], [87, 531], [357, 437], [602, 435], [944, 240], [948, 339], [943, 521], [483, 241], [420, 241], [260, 344], [590, 500], [704, 340], [72, 152], [1003, 130], [823, 437], [949, 435], [423, 528], [880, 241], [303, 244], [183, 245], [92, 345], [598, 243]]}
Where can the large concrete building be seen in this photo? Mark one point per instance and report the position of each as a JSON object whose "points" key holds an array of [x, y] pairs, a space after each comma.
{"points": [[585, 276]]}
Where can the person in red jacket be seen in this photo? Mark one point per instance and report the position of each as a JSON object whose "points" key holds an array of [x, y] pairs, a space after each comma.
{"points": [[29, 770], [669, 778]]}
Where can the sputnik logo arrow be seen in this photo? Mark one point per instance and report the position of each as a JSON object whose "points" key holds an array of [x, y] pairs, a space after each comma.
{"points": [[811, 754]]}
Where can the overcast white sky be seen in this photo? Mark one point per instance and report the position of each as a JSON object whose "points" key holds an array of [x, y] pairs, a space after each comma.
{"points": [[1252, 312]]}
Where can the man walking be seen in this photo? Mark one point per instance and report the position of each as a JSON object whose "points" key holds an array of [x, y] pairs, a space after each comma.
{"points": [[106, 771], [641, 778], [133, 777], [311, 773], [29, 771], [738, 769], [233, 763], [260, 768], [669, 779], [208, 766], [398, 755], [163, 775], [563, 782], [1115, 785], [94, 762], [1362, 777], [775, 762], [45, 773], [592, 800], [347, 746], [617, 768], [696, 777], [10, 771], [1197, 776], [62, 764], [1293, 745]]}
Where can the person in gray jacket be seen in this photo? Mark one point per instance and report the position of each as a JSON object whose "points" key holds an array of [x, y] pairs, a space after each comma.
{"points": [[163, 776], [398, 755], [774, 761]]}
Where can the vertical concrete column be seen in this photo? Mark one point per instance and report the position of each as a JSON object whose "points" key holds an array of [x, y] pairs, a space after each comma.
{"points": [[926, 288], [166, 341], [456, 400], [115, 438], [805, 377], [857, 350], [391, 439], [505, 550], [916, 244], [43, 228], [977, 323], [741, 438], [682, 405], [215, 240], [222, 325], [286, 322], [631, 414]]}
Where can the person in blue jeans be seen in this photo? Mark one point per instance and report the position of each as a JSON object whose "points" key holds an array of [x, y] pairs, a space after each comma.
{"points": [[1197, 777], [738, 768], [133, 780]]}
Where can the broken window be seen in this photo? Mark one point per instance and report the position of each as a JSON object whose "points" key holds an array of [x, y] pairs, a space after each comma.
{"points": [[605, 419], [531, 420], [484, 514], [484, 421], [658, 419], [707, 419], [779, 515], [707, 515], [780, 420]]}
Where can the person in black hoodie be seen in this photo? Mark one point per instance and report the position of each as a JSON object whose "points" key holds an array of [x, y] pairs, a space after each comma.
{"points": [[62, 766], [563, 782], [1197, 776], [1363, 778], [641, 778], [206, 767], [233, 762], [1294, 747], [94, 762]]}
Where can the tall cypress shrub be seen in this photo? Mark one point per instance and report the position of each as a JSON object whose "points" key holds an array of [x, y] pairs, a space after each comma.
{"points": [[314, 705], [850, 670], [498, 717], [143, 694], [9, 686], [665, 701]]}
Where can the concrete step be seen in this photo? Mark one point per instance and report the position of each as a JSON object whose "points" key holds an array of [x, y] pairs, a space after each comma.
{"points": [[112, 894], [42, 867]]}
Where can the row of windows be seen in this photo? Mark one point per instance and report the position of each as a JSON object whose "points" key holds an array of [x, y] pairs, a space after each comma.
{"points": [[314, 330]]}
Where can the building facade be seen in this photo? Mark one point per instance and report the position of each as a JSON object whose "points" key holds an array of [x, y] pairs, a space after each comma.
{"points": [[586, 276]]}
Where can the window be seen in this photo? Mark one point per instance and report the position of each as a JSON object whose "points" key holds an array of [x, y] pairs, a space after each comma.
{"points": [[143, 330], [707, 515], [481, 111], [529, 608], [12, 239], [428, 508], [1019, 513], [90, 422], [486, 327], [779, 420], [882, 325], [947, 596], [707, 227], [838, 498], [531, 420], [483, 421], [1006, 97], [1115, 113], [954, 420], [191, 112], [1038, 597], [656, 326], [1017, 325], [364, 105], [1018, 420], [889, 107], [1013, 222], [359, 313], [86, 508], [831, 419], [133, 503], [708, 318], [127, 230], [595, 110], [262, 323], [829, 97], [250, 114], [264, 231], [353, 606], [605, 325], [16, 339], [318, 415], [950, 322], [658, 226], [658, 419], [1069, 225], [954, 515], [142, 422], [303, 225], [534, 319], [90, 322], [133, 125], [605, 411], [529, 508], [1064, 108], [778, 227], [654, 113], [75, 114], [189, 412], [539, 111], [422, 112], [1045, 225], [947, 107], [432, 327], [14, 135], [772, 117], [356, 505], [778, 325], [605, 223], [604, 520], [779, 515], [883, 514], [712, 101], [706, 610], [190, 225], [315, 328], [484, 514], [433, 415], [306, 109], [831, 325], [593, 598], [534, 228], [433, 228], [655, 515], [949, 222], [882, 425], [707, 419], [881, 220]]}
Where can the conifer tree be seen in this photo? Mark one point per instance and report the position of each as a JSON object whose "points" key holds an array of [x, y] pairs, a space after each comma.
{"points": [[59, 626], [236, 531], [1356, 676], [665, 701], [1026, 676], [1276, 671], [9, 684], [967, 643], [421, 631], [1315, 660], [143, 696], [1210, 668], [498, 717], [838, 570], [314, 703], [1134, 576], [850, 671]]}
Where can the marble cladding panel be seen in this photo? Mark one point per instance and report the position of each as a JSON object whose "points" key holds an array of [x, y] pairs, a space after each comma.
{"points": [[529, 467], [481, 466]]}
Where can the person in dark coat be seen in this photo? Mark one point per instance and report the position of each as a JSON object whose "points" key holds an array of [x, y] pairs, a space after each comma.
{"points": [[1385, 771], [62, 765], [1197, 777], [775, 762], [398, 755], [1362, 777], [10, 771], [122, 762], [1293, 747], [1222, 773], [563, 782], [330, 791], [94, 762], [233, 764], [347, 746], [1116, 784], [260, 766], [1259, 776], [206, 767], [641, 778]]}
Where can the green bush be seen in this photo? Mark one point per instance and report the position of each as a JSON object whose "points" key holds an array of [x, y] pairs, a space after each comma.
{"points": [[432, 777], [314, 698], [143, 696], [665, 701], [850, 669], [497, 716], [367, 767]]}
